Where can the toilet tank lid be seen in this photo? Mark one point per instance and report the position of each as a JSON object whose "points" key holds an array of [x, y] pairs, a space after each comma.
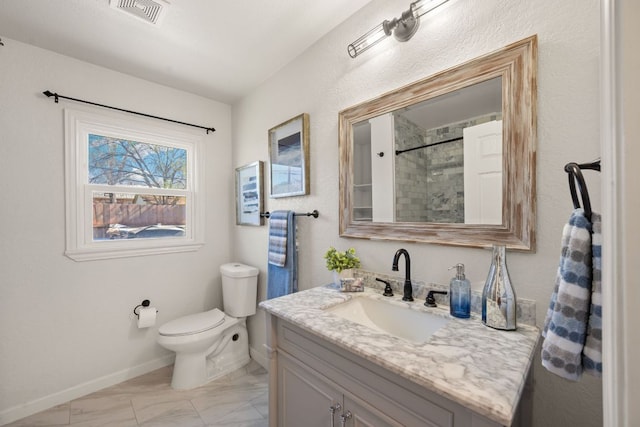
{"points": [[193, 323], [235, 269]]}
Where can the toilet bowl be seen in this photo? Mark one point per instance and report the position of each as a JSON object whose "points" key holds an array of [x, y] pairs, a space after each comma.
{"points": [[213, 343]]}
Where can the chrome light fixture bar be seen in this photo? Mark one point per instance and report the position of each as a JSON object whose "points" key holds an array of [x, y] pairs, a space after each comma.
{"points": [[403, 28]]}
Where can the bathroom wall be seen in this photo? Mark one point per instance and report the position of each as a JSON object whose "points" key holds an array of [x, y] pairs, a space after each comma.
{"points": [[325, 80], [66, 326]]}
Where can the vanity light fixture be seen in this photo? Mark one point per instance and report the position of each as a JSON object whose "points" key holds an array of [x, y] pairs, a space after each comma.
{"points": [[403, 28]]}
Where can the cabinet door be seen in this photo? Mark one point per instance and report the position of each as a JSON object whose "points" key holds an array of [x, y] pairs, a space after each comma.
{"points": [[306, 399], [365, 415], [303, 398]]}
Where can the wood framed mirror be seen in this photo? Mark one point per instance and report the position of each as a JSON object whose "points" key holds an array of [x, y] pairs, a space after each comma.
{"points": [[449, 159]]}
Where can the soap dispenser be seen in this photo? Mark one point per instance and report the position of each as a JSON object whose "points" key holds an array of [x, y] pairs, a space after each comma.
{"points": [[460, 294]]}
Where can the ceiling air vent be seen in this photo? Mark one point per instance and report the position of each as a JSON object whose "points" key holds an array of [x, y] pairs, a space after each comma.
{"points": [[150, 11]]}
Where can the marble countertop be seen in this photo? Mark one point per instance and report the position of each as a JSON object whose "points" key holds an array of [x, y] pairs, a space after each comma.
{"points": [[478, 367]]}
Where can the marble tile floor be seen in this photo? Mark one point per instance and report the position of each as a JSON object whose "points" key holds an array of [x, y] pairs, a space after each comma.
{"points": [[239, 399]]}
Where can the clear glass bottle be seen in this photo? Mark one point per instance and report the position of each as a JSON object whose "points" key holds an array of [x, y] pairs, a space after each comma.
{"points": [[498, 296], [460, 294]]}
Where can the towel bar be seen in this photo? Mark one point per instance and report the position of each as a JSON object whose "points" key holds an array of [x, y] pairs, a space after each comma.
{"points": [[314, 214]]}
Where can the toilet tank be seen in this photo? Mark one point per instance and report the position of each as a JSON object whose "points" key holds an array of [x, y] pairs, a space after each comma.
{"points": [[239, 289]]}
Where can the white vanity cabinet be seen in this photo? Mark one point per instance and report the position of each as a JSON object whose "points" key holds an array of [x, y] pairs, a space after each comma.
{"points": [[316, 383]]}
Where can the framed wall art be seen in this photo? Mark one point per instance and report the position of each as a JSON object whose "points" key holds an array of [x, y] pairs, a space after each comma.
{"points": [[249, 194], [289, 158]]}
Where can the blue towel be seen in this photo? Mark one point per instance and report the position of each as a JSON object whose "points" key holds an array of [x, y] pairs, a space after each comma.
{"points": [[566, 324], [283, 280], [278, 238]]}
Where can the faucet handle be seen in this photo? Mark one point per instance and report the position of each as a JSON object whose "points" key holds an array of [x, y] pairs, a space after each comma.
{"points": [[388, 292], [431, 300]]}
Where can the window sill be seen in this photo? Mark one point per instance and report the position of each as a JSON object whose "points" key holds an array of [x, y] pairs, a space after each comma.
{"points": [[119, 252]]}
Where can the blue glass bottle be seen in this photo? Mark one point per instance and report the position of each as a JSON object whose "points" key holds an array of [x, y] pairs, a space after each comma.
{"points": [[460, 294]]}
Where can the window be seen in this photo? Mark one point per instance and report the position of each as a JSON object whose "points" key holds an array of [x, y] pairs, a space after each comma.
{"points": [[133, 188]]}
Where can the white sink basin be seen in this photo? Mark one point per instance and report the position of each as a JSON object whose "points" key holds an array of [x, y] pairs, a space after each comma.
{"points": [[381, 316]]}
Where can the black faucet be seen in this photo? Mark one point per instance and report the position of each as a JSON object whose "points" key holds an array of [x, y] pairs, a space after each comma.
{"points": [[408, 291]]}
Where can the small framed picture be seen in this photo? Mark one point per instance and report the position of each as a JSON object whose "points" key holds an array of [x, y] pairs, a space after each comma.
{"points": [[289, 158], [249, 194]]}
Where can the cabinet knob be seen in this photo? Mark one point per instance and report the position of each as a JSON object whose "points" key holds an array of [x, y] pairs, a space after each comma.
{"points": [[345, 417], [380, 154]]}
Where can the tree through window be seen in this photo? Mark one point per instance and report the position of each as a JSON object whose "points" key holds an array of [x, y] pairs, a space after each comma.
{"points": [[114, 161]]}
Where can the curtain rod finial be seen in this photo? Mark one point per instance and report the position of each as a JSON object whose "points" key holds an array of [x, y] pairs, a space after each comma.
{"points": [[49, 94]]}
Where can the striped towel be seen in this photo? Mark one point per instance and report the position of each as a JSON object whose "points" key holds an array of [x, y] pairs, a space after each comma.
{"points": [[283, 280], [566, 324], [592, 353], [278, 238]]}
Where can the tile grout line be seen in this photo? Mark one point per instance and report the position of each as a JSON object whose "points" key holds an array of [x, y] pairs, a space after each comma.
{"points": [[135, 414], [204, 423]]}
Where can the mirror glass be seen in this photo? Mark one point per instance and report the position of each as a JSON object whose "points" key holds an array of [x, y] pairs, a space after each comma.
{"points": [[448, 159], [437, 161]]}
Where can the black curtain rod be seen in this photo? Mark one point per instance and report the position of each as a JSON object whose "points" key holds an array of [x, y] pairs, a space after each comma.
{"points": [[429, 145], [49, 94], [314, 214]]}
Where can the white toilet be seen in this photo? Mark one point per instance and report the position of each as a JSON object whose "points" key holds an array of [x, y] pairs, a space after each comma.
{"points": [[211, 344]]}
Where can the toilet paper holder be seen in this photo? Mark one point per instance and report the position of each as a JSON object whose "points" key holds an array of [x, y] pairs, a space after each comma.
{"points": [[145, 303]]}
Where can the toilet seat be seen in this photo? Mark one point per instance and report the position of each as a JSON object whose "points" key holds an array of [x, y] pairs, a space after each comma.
{"points": [[193, 324]]}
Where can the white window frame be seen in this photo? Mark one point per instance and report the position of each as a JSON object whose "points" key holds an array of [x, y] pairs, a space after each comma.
{"points": [[80, 245]]}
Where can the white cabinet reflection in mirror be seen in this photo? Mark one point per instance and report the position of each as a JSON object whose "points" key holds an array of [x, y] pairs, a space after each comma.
{"points": [[362, 187]]}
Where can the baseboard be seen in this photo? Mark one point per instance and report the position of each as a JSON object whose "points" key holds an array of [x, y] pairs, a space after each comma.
{"points": [[260, 358], [46, 402]]}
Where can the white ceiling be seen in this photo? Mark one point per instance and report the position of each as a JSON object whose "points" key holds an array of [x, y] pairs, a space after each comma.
{"points": [[219, 49]]}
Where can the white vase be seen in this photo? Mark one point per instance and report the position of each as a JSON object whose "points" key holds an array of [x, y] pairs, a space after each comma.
{"points": [[498, 296]]}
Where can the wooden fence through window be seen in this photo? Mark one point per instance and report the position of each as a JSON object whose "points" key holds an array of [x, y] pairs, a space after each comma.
{"points": [[134, 215]]}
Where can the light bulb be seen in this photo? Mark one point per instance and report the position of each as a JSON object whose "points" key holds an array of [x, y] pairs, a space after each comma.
{"points": [[368, 40]]}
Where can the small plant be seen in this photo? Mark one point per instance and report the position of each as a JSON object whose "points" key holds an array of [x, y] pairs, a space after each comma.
{"points": [[338, 261]]}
